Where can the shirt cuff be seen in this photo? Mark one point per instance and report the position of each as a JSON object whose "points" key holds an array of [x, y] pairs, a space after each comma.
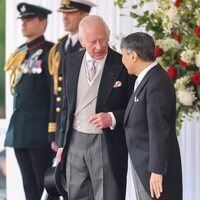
{"points": [[112, 127]]}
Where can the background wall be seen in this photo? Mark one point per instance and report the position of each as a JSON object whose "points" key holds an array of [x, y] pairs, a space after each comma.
{"points": [[2, 58], [190, 135]]}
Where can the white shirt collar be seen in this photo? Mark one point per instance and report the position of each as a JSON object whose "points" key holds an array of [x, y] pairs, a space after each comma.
{"points": [[74, 38], [144, 72]]}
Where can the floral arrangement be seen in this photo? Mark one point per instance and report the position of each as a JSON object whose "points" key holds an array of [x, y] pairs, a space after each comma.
{"points": [[175, 26]]}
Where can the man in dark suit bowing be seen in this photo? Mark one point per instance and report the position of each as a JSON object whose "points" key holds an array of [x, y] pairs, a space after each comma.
{"points": [[150, 121], [96, 91]]}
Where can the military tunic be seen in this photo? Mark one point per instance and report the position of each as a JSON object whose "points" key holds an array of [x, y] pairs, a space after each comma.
{"points": [[28, 126], [30, 83], [56, 71]]}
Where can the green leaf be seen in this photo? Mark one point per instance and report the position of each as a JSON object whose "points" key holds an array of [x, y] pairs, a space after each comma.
{"points": [[134, 15], [198, 91], [134, 6], [142, 20], [146, 13]]}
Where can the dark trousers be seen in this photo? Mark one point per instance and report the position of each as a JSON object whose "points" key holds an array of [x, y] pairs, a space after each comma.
{"points": [[33, 164]]}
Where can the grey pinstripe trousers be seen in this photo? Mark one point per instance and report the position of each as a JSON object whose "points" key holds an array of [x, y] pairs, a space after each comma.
{"points": [[88, 170], [140, 192]]}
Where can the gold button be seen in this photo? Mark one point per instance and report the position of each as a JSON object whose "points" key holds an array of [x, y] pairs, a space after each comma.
{"points": [[58, 109], [59, 89], [60, 78], [58, 99]]}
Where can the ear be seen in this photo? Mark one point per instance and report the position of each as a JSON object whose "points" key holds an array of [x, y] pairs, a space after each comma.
{"points": [[44, 22], [134, 56], [84, 14], [82, 42]]}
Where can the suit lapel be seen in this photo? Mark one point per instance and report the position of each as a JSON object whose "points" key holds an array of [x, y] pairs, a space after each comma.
{"points": [[61, 47], [140, 87], [72, 75], [110, 73]]}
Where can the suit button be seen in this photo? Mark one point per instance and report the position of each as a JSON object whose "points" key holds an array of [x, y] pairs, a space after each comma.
{"points": [[60, 78], [59, 89], [58, 109], [58, 99]]}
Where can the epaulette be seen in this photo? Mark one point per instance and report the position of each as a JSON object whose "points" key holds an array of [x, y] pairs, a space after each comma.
{"points": [[16, 58], [54, 63], [13, 65]]}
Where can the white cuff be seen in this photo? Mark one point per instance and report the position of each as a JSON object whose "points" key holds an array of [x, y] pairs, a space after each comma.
{"points": [[112, 127]]}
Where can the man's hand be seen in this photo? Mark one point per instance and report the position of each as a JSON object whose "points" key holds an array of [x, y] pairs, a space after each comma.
{"points": [[59, 154], [101, 120], [156, 188], [54, 146]]}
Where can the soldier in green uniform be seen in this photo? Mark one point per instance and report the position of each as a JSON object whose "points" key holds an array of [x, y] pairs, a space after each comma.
{"points": [[30, 85], [73, 11]]}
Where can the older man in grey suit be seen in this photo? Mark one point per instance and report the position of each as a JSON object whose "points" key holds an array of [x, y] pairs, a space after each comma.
{"points": [[96, 92], [150, 120]]}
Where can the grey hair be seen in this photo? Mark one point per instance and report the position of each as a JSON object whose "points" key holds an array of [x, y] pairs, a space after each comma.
{"points": [[142, 43], [91, 19]]}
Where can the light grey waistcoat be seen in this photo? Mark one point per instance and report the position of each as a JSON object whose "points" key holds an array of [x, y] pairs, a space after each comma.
{"points": [[86, 102]]}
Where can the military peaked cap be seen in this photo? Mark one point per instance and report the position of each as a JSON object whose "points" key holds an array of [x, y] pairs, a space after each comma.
{"points": [[76, 5], [29, 11]]}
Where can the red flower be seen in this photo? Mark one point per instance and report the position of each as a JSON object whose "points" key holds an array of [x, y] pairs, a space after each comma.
{"points": [[176, 36], [172, 72], [183, 64], [177, 3], [197, 31], [196, 78], [158, 51]]}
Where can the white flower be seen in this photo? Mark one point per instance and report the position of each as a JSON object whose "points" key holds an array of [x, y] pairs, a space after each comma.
{"points": [[182, 82], [187, 56], [197, 16], [168, 44], [167, 26], [186, 96], [170, 17], [197, 60], [172, 14]]}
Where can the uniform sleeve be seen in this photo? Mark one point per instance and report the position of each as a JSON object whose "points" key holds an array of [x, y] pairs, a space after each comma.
{"points": [[61, 135], [52, 122]]}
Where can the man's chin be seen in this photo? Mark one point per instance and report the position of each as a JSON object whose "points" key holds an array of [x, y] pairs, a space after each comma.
{"points": [[100, 56], [24, 33]]}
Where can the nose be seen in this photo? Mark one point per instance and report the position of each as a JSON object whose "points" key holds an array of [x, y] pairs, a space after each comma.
{"points": [[98, 45]]}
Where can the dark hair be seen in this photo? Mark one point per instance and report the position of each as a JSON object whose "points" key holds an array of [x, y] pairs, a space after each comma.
{"points": [[142, 43], [42, 17]]}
